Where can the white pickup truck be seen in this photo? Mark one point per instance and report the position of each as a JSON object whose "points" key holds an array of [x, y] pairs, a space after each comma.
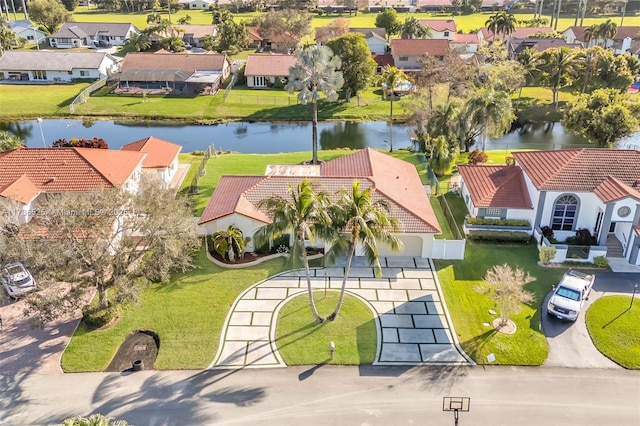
{"points": [[569, 295]]}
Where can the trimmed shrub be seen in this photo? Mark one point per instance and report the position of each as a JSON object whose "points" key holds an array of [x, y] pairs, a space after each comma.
{"points": [[197, 152], [477, 157], [497, 222], [489, 235], [96, 317], [547, 232], [547, 254], [583, 237], [601, 261]]}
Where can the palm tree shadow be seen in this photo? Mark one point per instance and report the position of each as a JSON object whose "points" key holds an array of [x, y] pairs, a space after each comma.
{"points": [[474, 347]]}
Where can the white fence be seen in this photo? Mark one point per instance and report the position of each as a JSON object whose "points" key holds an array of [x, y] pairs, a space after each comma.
{"points": [[84, 95], [448, 249]]}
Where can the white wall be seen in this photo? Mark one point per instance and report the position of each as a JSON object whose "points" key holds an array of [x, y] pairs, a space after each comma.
{"points": [[588, 207], [411, 62], [247, 225], [377, 46], [525, 214]]}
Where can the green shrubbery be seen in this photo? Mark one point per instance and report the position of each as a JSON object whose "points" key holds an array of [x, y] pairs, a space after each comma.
{"points": [[96, 317], [497, 222], [601, 261], [547, 254], [489, 235]]}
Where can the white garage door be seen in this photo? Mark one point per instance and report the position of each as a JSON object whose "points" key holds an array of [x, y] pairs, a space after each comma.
{"points": [[412, 247]]}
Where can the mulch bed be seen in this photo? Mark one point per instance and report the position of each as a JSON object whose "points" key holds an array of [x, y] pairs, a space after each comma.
{"points": [[140, 345]]}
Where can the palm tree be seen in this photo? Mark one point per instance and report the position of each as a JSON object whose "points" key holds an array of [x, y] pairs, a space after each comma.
{"points": [[591, 33], [530, 60], [443, 154], [507, 23], [608, 30], [491, 110], [558, 66], [304, 213], [229, 243], [391, 76], [315, 71], [366, 222], [413, 29], [493, 24]]}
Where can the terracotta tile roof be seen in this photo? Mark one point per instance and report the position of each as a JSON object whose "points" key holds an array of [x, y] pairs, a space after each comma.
{"points": [[496, 186], [419, 47], [198, 31], [439, 25], [465, 39], [384, 60], [583, 170], [21, 189], [269, 65], [394, 180], [160, 153], [611, 189], [173, 61], [68, 169], [253, 33]]}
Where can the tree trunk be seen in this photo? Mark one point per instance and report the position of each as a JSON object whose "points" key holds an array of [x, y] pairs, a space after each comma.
{"points": [[314, 121], [555, 97], [430, 99], [352, 251], [102, 293], [484, 135], [312, 303], [391, 124]]}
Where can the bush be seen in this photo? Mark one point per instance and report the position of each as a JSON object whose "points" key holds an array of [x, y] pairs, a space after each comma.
{"points": [[547, 232], [601, 261], [499, 236], [497, 222], [477, 157], [583, 237], [198, 153], [96, 317], [547, 254]]}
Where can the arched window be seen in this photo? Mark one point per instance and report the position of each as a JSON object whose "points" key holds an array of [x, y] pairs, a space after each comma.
{"points": [[564, 213]]}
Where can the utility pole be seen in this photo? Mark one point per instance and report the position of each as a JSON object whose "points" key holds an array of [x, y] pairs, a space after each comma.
{"points": [[624, 11], [580, 11]]}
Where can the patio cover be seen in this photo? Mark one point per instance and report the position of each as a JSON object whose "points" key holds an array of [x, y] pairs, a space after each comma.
{"points": [[154, 75], [208, 77]]}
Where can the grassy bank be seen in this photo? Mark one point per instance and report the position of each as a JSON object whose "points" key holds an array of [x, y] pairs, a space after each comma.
{"points": [[30, 101]]}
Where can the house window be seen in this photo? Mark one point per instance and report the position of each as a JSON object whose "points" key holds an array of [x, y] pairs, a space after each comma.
{"points": [[39, 75], [403, 58], [84, 73], [564, 213], [30, 37], [446, 33], [493, 212]]}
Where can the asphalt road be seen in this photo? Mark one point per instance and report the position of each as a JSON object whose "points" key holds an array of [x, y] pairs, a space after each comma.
{"points": [[328, 395]]}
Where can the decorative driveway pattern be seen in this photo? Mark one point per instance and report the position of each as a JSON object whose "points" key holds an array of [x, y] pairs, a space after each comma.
{"points": [[411, 318]]}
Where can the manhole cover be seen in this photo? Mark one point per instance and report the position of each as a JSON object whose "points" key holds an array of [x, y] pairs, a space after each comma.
{"points": [[140, 348]]}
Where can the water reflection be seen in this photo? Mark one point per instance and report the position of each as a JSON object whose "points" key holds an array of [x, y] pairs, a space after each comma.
{"points": [[343, 135]]}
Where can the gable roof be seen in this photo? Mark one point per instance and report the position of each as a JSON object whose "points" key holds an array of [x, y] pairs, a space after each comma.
{"points": [[197, 31], [439, 25], [465, 39], [622, 32], [174, 61], [419, 47], [496, 186], [82, 29], [585, 170], [65, 169], [383, 60], [370, 32], [269, 65], [21, 190], [394, 180], [160, 153], [54, 61], [517, 45]]}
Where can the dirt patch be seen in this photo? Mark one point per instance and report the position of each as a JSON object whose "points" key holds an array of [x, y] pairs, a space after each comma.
{"points": [[508, 328], [140, 345]]}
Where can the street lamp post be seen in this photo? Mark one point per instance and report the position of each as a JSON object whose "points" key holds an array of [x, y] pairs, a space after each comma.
{"points": [[39, 120], [633, 296]]}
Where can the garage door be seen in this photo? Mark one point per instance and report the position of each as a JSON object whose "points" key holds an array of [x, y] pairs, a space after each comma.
{"points": [[412, 247]]}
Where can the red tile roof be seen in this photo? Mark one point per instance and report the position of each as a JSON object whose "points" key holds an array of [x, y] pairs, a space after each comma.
{"points": [[584, 170], [419, 47], [394, 180], [160, 153], [496, 186], [66, 169], [439, 25], [269, 65], [174, 61], [465, 39], [384, 60], [21, 190]]}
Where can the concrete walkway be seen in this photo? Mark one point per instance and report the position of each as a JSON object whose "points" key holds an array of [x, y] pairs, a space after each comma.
{"points": [[411, 317]]}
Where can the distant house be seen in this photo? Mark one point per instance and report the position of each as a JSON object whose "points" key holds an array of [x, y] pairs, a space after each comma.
{"points": [[283, 42], [193, 34], [53, 67], [383, 61], [376, 39], [24, 29], [465, 42], [78, 34], [173, 73], [197, 4], [521, 32], [161, 160], [634, 49], [262, 70], [446, 5], [620, 43], [407, 53], [515, 46], [440, 28]]}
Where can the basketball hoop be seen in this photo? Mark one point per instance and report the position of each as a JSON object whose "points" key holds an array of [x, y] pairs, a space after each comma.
{"points": [[456, 404]]}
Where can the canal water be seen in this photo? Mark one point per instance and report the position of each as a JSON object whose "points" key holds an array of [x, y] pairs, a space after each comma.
{"points": [[274, 137]]}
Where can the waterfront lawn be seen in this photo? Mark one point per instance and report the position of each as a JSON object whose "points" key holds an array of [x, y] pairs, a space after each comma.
{"points": [[302, 341], [469, 308], [187, 314], [20, 101], [613, 326], [536, 104], [193, 161]]}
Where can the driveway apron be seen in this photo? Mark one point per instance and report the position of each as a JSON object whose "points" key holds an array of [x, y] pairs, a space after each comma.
{"points": [[412, 321]]}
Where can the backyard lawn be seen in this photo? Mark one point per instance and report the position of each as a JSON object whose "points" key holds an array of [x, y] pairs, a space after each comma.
{"points": [[30, 101]]}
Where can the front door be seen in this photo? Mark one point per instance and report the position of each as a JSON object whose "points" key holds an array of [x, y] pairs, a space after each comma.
{"points": [[259, 81], [612, 227]]}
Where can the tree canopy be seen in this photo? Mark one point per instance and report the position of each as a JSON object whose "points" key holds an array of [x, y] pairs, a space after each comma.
{"points": [[51, 14], [357, 67], [290, 24], [9, 141], [388, 19]]}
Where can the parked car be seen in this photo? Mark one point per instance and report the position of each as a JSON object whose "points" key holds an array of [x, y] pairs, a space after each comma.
{"points": [[17, 280], [570, 295]]}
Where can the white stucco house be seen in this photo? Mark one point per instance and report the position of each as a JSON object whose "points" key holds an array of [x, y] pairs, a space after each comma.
{"points": [[440, 28], [620, 43], [24, 29], [197, 4], [161, 159], [236, 198], [262, 71], [78, 34], [566, 191], [375, 37], [407, 53], [53, 67]]}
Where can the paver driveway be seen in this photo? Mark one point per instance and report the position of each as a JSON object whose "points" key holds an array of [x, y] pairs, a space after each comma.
{"points": [[411, 318]]}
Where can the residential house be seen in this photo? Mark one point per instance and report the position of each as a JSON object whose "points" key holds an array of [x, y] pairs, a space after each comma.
{"points": [[197, 4], [634, 48], [407, 53], [282, 42], [263, 70], [566, 191], [467, 43], [521, 32], [24, 29], [447, 5], [515, 46], [173, 73], [376, 39], [27, 175], [620, 43], [236, 199], [440, 28], [56, 67], [78, 34], [192, 34], [383, 61], [161, 159]]}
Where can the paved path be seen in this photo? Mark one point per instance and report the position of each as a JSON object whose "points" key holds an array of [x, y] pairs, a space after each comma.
{"points": [[411, 317]]}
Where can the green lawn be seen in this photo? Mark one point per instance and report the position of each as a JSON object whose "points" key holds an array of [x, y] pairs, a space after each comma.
{"points": [[193, 161], [614, 328], [28, 101], [187, 314], [469, 308], [302, 341]]}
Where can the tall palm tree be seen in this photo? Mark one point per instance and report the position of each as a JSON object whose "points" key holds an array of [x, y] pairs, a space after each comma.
{"points": [[493, 24], [558, 66], [365, 222], [530, 61], [491, 110], [316, 70], [591, 33], [391, 76], [411, 28], [507, 23], [608, 30], [304, 214]]}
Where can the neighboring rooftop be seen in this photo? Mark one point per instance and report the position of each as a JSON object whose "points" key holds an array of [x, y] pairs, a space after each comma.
{"points": [[82, 29], [54, 61], [419, 47], [174, 61], [496, 186], [160, 153], [272, 65]]}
